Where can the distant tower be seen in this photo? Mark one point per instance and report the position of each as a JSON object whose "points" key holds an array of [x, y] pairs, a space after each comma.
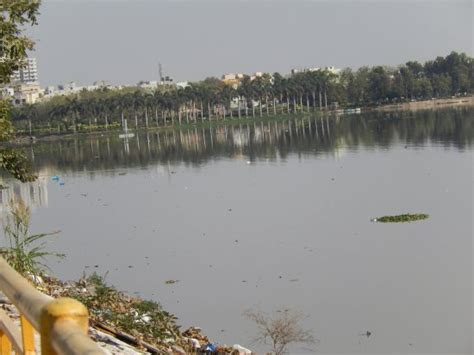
{"points": [[28, 74], [160, 72]]}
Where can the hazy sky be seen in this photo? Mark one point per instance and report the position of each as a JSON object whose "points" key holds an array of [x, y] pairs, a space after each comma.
{"points": [[123, 41]]}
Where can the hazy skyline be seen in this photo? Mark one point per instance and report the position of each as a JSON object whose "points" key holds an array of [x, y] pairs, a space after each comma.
{"points": [[123, 41]]}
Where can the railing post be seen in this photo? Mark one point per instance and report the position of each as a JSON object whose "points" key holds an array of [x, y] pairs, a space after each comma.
{"points": [[61, 308], [27, 336], [5, 345]]}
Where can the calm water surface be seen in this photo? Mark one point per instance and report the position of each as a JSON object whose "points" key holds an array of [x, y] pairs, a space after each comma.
{"points": [[278, 214]]}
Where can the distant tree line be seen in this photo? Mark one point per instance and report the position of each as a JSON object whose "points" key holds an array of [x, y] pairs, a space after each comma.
{"points": [[213, 99], [272, 139]]}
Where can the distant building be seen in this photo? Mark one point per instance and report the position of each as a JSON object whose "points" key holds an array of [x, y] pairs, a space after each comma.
{"points": [[229, 77], [167, 80], [72, 88], [24, 87], [330, 69], [26, 94], [50, 90], [148, 84], [182, 84], [304, 70], [256, 75], [8, 91], [26, 75], [333, 70], [67, 88], [21, 94], [101, 84], [232, 79]]}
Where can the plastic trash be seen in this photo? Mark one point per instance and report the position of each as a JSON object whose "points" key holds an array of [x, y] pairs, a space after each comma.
{"points": [[194, 343], [55, 178], [210, 347], [241, 350], [61, 183]]}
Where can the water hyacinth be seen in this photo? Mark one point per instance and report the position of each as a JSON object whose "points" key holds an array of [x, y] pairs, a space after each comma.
{"points": [[407, 217]]}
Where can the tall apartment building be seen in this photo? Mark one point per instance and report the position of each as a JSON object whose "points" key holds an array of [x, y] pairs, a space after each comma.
{"points": [[28, 74]]}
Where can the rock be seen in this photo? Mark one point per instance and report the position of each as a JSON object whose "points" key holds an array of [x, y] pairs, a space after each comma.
{"points": [[178, 350], [194, 343], [37, 280], [240, 350], [146, 319]]}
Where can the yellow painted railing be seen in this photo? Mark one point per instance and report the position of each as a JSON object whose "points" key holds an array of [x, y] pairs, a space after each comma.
{"points": [[62, 323]]}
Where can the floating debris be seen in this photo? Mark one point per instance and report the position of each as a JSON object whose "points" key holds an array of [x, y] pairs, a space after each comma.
{"points": [[171, 282], [239, 349], [407, 217], [139, 323], [367, 334]]}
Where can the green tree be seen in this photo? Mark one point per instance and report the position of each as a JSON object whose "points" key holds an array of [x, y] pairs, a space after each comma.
{"points": [[442, 84], [14, 45], [379, 84], [445, 76]]}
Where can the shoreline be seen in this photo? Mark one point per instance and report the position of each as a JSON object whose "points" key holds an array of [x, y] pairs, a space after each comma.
{"points": [[124, 324], [414, 106], [428, 104]]}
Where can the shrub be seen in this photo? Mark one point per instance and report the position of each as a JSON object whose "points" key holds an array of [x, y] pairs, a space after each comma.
{"points": [[26, 252]]}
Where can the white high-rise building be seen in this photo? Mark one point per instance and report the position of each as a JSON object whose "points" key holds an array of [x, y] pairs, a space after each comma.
{"points": [[28, 74]]}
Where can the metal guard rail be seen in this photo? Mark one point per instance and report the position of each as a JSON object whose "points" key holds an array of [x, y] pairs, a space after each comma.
{"points": [[62, 323]]}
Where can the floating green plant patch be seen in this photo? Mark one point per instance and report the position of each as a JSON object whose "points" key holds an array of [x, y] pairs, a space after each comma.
{"points": [[408, 217], [171, 282]]}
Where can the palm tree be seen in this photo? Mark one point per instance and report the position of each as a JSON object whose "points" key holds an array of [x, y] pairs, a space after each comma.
{"points": [[227, 95], [137, 103], [245, 91], [267, 89], [278, 89]]}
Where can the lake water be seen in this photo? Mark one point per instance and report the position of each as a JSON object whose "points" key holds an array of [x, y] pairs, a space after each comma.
{"points": [[277, 214]]}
